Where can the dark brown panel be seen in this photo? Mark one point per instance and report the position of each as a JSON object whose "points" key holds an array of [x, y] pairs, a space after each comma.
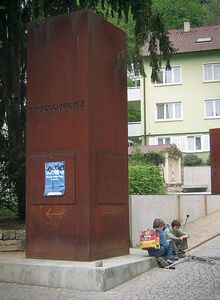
{"points": [[111, 178], [215, 160]]}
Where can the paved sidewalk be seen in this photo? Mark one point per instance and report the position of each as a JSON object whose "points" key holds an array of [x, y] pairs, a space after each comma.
{"points": [[203, 229], [191, 280]]}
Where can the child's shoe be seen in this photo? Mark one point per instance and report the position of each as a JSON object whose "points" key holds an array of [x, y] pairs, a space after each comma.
{"points": [[170, 261], [162, 263], [181, 254], [175, 256]]}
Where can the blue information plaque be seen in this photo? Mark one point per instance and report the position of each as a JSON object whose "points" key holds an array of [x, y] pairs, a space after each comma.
{"points": [[54, 179]]}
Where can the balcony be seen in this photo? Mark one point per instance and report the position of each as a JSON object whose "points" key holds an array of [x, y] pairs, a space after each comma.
{"points": [[134, 93], [134, 129]]}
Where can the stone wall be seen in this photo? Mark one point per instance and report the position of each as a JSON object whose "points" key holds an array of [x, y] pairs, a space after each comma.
{"points": [[12, 240]]}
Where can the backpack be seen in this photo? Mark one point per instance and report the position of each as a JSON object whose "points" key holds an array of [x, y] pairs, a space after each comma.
{"points": [[150, 239]]}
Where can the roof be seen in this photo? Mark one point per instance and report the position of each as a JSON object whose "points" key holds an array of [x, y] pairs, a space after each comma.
{"points": [[186, 42], [154, 148]]}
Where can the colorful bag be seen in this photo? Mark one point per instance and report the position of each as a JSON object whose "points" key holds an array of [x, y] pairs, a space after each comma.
{"points": [[150, 239]]}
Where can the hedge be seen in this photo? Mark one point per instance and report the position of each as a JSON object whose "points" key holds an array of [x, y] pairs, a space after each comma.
{"points": [[145, 180]]}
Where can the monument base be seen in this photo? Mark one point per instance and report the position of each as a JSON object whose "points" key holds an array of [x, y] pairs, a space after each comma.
{"points": [[85, 276]]}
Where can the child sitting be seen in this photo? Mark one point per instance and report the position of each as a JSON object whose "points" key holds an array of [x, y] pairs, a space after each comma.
{"points": [[163, 255], [178, 238]]}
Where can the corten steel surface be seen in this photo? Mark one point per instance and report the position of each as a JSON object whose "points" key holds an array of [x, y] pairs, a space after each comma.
{"points": [[215, 160], [77, 113]]}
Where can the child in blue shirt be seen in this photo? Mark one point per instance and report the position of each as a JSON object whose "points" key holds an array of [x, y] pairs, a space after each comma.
{"points": [[163, 255]]}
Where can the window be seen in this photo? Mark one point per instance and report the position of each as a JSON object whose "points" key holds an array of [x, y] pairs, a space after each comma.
{"points": [[163, 141], [204, 40], [212, 108], [194, 143], [211, 72], [186, 143], [171, 76], [168, 111]]}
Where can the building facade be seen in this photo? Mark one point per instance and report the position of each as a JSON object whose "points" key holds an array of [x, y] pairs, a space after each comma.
{"points": [[185, 102]]}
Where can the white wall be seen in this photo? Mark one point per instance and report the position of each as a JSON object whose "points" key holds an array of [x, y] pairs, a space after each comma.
{"points": [[198, 176], [144, 209]]}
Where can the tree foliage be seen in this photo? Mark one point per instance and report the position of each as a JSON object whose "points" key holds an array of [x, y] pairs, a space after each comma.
{"points": [[175, 12], [212, 8], [133, 114], [137, 157], [192, 160], [138, 13], [7, 192], [155, 158], [14, 17]]}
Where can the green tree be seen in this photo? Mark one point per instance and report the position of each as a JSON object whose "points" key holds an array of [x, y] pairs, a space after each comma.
{"points": [[133, 114], [175, 12], [212, 8], [14, 17]]}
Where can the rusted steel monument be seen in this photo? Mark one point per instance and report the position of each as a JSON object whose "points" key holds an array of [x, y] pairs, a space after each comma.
{"points": [[77, 190], [215, 160]]}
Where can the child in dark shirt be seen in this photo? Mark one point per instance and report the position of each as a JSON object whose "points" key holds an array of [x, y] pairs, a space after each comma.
{"points": [[178, 239]]}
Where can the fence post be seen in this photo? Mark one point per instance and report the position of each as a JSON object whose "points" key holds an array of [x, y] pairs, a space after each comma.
{"points": [[179, 208], [206, 205]]}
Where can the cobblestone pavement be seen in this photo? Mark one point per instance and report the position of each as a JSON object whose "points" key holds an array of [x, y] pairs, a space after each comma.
{"points": [[190, 280]]}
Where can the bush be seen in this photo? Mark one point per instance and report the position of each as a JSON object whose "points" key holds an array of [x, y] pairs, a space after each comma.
{"points": [[145, 180], [208, 162], [155, 158], [137, 157], [192, 160]]}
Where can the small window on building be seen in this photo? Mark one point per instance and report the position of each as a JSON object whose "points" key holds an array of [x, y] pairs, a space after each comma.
{"points": [[167, 77], [212, 108], [169, 111], [163, 141], [194, 143], [211, 72], [204, 40]]}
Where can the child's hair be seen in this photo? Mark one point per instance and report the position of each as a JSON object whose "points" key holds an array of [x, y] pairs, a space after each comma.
{"points": [[158, 223], [175, 223]]}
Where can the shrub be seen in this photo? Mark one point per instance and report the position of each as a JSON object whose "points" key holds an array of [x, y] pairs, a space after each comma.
{"points": [[137, 157], [192, 160], [208, 162], [145, 180], [155, 158]]}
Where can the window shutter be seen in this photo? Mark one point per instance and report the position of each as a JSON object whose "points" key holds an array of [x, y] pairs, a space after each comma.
{"points": [[182, 143], [152, 141], [175, 140], [205, 143]]}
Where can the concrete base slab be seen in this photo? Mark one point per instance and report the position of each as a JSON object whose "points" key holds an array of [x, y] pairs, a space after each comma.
{"points": [[86, 276]]}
